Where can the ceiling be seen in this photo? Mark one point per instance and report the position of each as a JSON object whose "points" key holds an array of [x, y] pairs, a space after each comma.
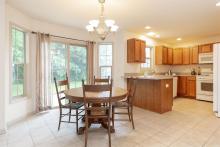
{"points": [[189, 19]]}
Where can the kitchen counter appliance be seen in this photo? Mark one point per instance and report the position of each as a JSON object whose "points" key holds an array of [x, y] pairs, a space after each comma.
{"points": [[204, 89]]}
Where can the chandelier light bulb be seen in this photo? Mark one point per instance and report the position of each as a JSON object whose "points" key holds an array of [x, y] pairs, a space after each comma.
{"points": [[109, 22], [89, 28], [94, 23], [114, 28], [102, 27]]}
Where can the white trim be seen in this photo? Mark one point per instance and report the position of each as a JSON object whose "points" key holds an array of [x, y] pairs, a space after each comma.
{"points": [[98, 67], [11, 98], [151, 59]]}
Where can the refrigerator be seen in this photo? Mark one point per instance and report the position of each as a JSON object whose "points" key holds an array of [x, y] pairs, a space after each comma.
{"points": [[216, 82]]}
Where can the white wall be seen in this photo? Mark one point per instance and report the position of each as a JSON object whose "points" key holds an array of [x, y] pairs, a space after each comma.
{"points": [[2, 66]]}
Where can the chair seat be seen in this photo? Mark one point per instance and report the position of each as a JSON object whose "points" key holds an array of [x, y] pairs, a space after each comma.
{"points": [[73, 105], [121, 104]]}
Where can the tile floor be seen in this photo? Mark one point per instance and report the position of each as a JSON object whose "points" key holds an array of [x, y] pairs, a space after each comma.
{"points": [[190, 124]]}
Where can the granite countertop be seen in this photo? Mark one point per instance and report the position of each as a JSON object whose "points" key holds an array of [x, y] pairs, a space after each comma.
{"points": [[153, 77]]}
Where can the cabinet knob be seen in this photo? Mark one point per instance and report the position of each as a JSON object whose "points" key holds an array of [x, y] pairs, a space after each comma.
{"points": [[167, 86]]}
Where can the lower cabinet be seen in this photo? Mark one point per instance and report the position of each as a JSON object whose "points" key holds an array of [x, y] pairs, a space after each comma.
{"points": [[186, 86]]}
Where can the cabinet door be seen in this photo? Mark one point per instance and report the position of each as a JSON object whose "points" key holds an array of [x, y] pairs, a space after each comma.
{"points": [[181, 88], [194, 55], [191, 87], [170, 56], [177, 56], [186, 56], [158, 55], [165, 55], [206, 48], [137, 51], [143, 54]]}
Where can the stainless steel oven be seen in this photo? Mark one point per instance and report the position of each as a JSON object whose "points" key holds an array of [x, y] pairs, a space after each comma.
{"points": [[204, 89]]}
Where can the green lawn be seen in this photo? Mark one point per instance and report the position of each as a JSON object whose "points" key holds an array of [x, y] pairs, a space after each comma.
{"points": [[17, 90]]}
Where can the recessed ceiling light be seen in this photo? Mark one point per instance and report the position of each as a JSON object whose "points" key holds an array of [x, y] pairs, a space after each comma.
{"points": [[218, 4], [148, 27], [151, 34], [179, 39]]}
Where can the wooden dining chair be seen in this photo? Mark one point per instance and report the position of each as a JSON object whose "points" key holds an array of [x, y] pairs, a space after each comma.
{"points": [[61, 86], [101, 80], [95, 110], [125, 104]]}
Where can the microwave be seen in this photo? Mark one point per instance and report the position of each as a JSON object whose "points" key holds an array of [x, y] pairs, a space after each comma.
{"points": [[205, 58]]}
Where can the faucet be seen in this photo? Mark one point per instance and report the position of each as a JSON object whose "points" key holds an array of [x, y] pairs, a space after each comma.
{"points": [[169, 72]]}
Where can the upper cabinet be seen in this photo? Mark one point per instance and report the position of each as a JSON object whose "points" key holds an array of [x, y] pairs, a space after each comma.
{"points": [[177, 56], [194, 55], [136, 51], [170, 56], [186, 56], [206, 48], [163, 55]]}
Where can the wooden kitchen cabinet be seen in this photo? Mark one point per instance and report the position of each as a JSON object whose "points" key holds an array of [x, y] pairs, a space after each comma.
{"points": [[186, 56], [206, 48], [191, 87], [186, 86], [136, 51], [143, 54], [161, 53], [181, 86], [177, 56], [194, 55], [170, 56]]}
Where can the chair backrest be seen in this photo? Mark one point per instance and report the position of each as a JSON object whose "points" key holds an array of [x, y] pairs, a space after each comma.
{"points": [[132, 92], [97, 88], [61, 86], [101, 81]]}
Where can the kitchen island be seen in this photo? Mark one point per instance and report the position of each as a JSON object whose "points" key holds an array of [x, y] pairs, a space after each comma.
{"points": [[154, 93]]}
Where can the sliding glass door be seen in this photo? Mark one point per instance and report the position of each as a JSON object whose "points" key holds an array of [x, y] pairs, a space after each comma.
{"points": [[78, 65], [67, 59]]}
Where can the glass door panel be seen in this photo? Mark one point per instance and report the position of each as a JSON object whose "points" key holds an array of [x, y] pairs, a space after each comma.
{"points": [[77, 65], [59, 62]]}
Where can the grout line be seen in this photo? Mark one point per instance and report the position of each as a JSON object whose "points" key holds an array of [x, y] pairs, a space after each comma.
{"points": [[210, 137]]}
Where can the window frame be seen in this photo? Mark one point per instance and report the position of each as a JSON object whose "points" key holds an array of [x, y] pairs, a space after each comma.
{"points": [[151, 58], [25, 31], [98, 52]]}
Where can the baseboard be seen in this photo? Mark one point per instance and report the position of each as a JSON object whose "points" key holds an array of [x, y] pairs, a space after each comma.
{"points": [[13, 122]]}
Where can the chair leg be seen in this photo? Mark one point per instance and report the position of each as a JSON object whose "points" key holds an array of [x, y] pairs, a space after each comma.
{"points": [[70, 111], [113, 117], [77, 129], [129, 116], [132, 119], [86, 132], [109, 131], [60, 120]]}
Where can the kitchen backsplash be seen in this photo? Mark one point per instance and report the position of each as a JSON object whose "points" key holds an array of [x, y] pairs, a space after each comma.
{"points": [[187, 68]]}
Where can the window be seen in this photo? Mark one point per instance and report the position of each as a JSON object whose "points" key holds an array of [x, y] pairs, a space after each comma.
{"points": [[18, 62], [105, 59], [67, 59], [148, 59]]}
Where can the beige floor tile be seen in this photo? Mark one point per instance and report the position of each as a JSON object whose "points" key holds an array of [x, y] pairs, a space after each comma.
{"points": [[190, 124]]}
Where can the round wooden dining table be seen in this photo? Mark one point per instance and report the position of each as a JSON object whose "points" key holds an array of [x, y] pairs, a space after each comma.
{"points": [[76, 95]]}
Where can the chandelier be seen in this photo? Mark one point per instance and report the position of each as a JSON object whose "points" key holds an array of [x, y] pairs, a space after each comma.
{"points": [[102, 27]]}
